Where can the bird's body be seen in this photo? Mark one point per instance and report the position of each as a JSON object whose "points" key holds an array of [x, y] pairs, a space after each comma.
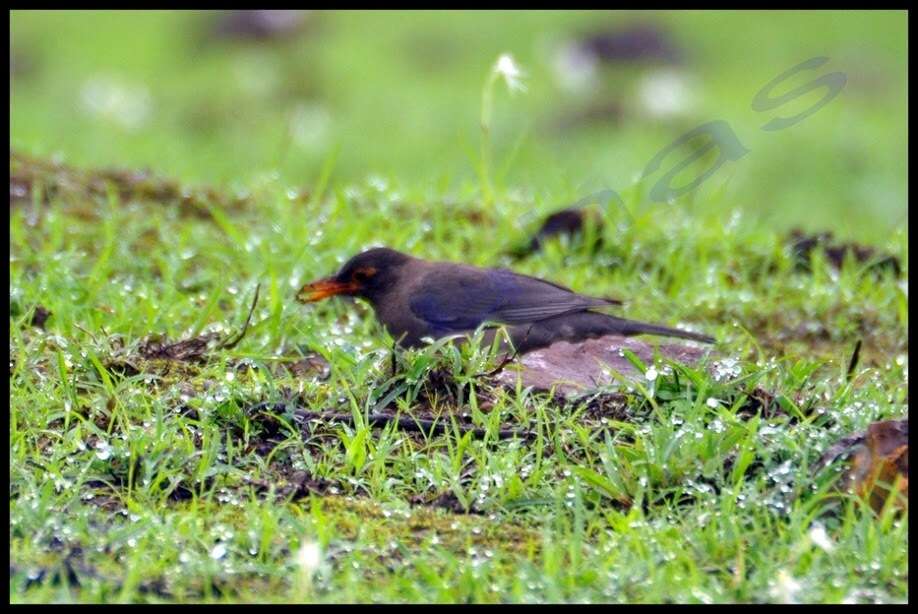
{"points": [[417, 299]]}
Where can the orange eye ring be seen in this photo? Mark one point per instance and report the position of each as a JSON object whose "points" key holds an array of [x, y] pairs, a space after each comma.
{"points": [[363, 274]]}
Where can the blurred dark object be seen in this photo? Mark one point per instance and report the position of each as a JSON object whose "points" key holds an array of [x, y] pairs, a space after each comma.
{"points": [[260, 25], [803, 244], [40, 316], [878, 463], [569, 222], [631, 43], [21, 64]]}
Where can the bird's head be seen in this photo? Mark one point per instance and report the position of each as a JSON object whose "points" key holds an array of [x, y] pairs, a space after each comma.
{"points": [[365, 275]]}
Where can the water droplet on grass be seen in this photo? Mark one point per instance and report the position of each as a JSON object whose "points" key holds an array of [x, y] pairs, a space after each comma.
{"points": [[103, 450]]}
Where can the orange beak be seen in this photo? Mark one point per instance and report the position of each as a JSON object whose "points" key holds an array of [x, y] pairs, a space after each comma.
{"points": [[318, 290]]}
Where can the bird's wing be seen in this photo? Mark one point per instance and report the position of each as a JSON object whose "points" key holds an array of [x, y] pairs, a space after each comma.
{"points": [[464, 298]]}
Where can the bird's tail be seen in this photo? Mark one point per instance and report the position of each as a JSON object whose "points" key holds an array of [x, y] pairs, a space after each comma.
{"points": [[633, 327], [574, 327]]}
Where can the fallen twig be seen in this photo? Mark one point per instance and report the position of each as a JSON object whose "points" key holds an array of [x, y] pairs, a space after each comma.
{"points": [[230, 342], [855, 357]]}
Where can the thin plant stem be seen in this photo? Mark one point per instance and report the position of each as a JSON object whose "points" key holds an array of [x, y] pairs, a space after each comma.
{"points": [[487, 105]]}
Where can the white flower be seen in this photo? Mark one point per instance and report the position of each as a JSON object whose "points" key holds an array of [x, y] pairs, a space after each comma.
{"points": [[309, 557], [713, 403], [651, 374], [664, 93], [819, 537], [507, 69], [113, 100], [785, 588]]}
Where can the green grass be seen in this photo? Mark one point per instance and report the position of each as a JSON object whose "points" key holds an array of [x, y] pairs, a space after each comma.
{"points": [[162, 483]]}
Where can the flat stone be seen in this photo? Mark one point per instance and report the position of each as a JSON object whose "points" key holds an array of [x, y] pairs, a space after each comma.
{"points": [[572, 369]]}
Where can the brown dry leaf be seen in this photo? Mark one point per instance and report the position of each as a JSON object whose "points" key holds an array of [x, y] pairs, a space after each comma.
{"points": [[878, 469], [879, 463], [190, 350], [312, 365]]}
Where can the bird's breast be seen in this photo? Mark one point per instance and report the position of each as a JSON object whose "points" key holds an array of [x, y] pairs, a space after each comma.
{"points": [[399, 321]]}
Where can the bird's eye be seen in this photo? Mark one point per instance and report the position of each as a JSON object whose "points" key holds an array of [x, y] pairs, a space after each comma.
{"points": [[362, 275]]}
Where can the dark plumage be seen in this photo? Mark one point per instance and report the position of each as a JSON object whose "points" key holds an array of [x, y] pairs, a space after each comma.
{"points": [[415, 299]]}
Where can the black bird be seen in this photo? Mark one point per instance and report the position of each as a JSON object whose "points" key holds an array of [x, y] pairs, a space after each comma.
{"points": [[415, 299]]}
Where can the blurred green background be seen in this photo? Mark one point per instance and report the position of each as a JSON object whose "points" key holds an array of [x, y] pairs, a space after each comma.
{"points": [[398, 95]]}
